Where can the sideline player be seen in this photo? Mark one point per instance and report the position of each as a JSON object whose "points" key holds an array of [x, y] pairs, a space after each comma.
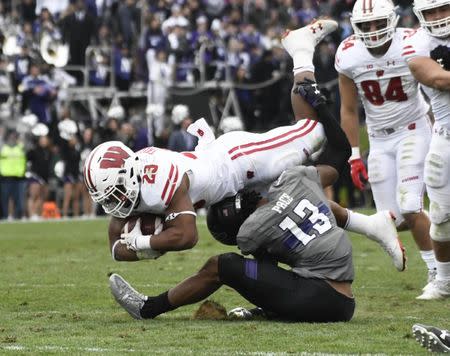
{"points": [[164, 182], [427, 54], [316, 289], [371, 68]]}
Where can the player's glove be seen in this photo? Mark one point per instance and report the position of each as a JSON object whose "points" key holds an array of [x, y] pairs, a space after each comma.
{"points": [[358, 172], [309, 91], [441, 54], [139, 243]]}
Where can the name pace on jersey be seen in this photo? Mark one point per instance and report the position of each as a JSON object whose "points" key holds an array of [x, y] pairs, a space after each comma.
{"points": [[282, 203]]}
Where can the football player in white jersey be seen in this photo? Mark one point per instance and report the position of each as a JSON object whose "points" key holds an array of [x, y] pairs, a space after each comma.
{"points": [[169, 183], [427, 54], [371, 68]]}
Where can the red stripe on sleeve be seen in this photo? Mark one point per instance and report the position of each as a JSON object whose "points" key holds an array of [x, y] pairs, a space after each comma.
{"points": [[163, 194], [172, 188], [281, 143], [270, 139]]}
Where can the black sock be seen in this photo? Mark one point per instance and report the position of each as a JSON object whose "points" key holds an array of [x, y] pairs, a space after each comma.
{"points": [[156, 305]]}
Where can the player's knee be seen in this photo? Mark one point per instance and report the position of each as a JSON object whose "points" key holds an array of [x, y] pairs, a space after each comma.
{"points": [[439, 213], [228, 265], [440, 232], [211, 267], [409, 202]]}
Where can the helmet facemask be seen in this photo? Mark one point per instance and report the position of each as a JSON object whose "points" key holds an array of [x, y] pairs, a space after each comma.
{"points": [[382, 35], [437, 28], [120, 198]]}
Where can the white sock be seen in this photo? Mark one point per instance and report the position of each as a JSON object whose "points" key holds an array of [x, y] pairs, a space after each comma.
{"points": [[357, 222], [443, 270], [303, 62], [429, 259]]}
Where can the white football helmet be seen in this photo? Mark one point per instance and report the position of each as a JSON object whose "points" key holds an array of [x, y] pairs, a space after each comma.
{"points": [[179, 113], [231, 123], [111, 174], [436, 28], [372, 10]]}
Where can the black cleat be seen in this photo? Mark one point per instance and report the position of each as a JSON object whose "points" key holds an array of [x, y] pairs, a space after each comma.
{"points": [[432, 338]]}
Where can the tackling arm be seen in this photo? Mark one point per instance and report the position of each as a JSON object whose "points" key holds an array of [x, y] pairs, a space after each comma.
{"points": [[181, 232], [428, 72]]}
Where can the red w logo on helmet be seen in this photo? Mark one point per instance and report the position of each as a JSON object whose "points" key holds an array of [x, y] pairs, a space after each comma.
{"points": [[114, 158]]}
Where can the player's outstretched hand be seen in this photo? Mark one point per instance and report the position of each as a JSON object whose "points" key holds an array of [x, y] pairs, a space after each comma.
{"points": [[441, 54], [358, 172], [309, 91]]}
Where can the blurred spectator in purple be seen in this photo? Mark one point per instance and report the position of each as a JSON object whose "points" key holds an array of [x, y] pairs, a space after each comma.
{"points": [[99, 68], [44, 21], [201, 34], [123, 68], [345, 25], [21, 66], [154, 37], [249, 36], [306, 13], [91, 7], [38, 92], [236, 56]]}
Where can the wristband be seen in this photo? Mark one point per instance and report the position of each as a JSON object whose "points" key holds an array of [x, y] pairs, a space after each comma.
{"points": [[143, 242], [355, 154]]}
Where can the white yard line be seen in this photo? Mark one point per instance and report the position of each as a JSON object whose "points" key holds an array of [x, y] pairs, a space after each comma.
{"points": [[181, 350]]}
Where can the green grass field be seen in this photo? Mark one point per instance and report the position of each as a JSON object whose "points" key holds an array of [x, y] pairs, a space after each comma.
{"points": [[54, 298]]}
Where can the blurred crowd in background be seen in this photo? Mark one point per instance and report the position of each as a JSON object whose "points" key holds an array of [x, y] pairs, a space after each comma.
{"points": [[74, 73]]}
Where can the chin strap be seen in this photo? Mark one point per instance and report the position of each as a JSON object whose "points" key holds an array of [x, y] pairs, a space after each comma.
{"points": [[172, 216]]}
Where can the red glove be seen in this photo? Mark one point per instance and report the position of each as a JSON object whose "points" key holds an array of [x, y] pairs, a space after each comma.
{"points": [[358, 171]]}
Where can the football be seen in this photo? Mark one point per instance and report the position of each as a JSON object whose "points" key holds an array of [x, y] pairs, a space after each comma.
{"points": [[150, 224]]}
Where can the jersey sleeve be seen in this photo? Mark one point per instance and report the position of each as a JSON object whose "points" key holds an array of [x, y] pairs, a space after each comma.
{"points": [[161, 175], [342, 62], [416, 44]]}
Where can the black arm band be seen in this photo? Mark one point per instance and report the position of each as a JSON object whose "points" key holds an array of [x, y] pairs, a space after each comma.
{"points": [[338, 149]]}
